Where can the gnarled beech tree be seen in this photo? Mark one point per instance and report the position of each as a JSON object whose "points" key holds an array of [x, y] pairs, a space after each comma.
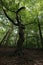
{"points": [[21, 28]]}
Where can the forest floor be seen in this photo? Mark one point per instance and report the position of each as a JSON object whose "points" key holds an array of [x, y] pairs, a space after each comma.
{"points": [[30, 57]]}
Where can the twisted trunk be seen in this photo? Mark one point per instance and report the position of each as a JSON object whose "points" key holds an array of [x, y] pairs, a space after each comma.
{"points": [[21, 37]]}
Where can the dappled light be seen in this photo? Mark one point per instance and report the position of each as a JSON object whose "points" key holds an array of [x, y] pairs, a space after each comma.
{"points": [[21, 32]]}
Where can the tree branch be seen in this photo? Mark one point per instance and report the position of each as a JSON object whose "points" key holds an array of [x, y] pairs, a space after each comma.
{"points": [[17, 15], [9, 18], [20, 9]]}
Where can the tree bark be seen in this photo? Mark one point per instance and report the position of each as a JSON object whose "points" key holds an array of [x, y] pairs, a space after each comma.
{"points": [[21, 37], [40, 33]]}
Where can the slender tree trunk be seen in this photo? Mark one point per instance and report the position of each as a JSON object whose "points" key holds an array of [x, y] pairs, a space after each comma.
{"points": [[6, 37], [40, 33]]}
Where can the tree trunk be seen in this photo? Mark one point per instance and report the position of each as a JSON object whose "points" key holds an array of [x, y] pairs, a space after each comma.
{"points": [[6, 37], [3, 40], [21, 39], [40, 33]]}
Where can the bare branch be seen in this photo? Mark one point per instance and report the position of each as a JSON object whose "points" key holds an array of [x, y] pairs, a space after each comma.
{"points": [[20, 9], [9, 18], [17, 15]]}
